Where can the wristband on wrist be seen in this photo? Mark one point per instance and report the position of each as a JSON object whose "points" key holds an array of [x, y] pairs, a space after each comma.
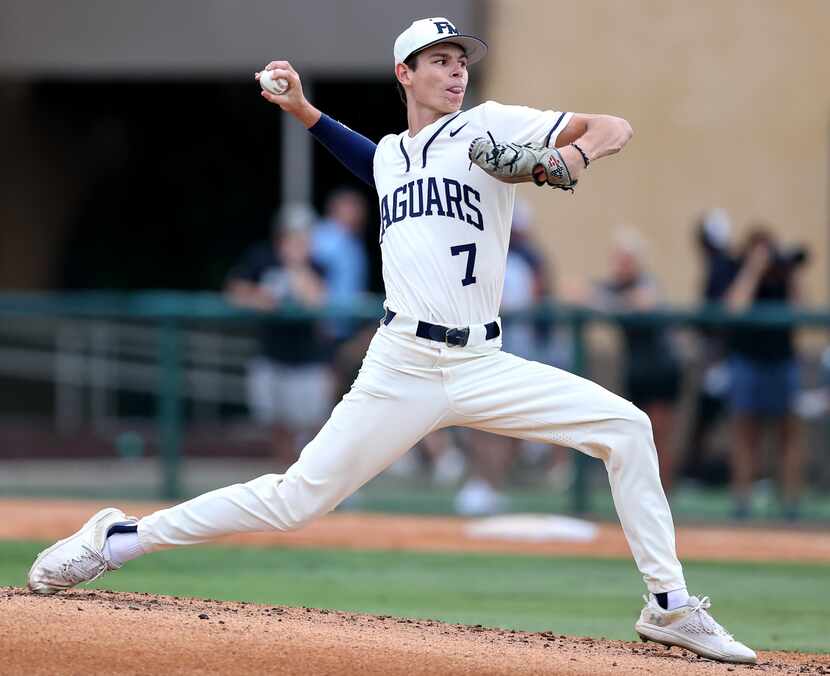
{"points": [[584, 156]]}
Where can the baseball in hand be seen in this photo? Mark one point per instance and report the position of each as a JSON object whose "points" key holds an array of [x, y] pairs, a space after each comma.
{"points": [[278, 86]]}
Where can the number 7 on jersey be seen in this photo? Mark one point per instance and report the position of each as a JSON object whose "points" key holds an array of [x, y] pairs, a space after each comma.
{"points": [[469, 278]]}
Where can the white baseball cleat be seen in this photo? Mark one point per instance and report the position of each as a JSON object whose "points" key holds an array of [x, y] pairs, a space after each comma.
{"points": [[692, 628], [78, 558]]}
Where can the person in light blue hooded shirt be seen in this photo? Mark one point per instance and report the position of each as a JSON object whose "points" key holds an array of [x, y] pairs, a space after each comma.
{"points": [[337, 245]]}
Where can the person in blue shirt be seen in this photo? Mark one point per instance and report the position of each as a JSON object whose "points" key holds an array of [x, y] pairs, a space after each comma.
{"points": [[337, 245]]}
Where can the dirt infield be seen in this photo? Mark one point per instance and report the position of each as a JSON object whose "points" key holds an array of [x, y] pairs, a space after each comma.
{"points": [[95, 631], [89, 632]]}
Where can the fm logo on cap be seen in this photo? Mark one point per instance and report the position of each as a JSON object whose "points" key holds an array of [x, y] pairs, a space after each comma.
{"points": [[441, 25]]}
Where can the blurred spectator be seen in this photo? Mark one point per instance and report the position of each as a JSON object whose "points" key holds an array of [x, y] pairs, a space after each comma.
{"points": [[651, 371], [288, 384], [714, 240], [765, 377], [438, 453], [447, 460], [337, 245], [525, 285], [491, 456], [814, 403]]}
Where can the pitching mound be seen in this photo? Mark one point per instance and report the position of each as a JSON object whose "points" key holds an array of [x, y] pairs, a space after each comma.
{"points": [[89, 632]]}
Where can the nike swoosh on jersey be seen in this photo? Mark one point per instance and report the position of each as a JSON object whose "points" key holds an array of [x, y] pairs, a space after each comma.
{"points": [[453, 133]]}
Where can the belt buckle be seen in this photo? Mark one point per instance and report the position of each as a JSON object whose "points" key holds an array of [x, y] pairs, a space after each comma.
{"points": [[457, 337]]}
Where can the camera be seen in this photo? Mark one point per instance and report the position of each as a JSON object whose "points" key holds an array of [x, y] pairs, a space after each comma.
{"points": [[783, 261], [791, 257]]}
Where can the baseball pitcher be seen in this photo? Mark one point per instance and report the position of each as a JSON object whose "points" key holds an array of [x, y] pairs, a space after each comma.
{"points": [[446, 187]]}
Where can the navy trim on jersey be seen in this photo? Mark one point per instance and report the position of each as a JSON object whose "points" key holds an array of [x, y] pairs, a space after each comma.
{"points": [[553, 129], [406, 157], [354, 150], [440, 129]]}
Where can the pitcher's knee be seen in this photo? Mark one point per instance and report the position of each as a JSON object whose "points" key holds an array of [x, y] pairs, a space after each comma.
{"points": [[303, 513], [306, 502], [297, 520]]}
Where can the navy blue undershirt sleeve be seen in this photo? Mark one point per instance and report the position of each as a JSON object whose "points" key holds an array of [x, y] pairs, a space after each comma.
{"points": [[354, 150]]}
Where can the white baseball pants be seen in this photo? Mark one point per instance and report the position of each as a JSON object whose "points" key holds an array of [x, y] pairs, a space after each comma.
{"points": [[408, 387]]}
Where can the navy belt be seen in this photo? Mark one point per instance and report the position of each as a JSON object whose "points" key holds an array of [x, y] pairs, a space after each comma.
{"points": [[452, 337]]}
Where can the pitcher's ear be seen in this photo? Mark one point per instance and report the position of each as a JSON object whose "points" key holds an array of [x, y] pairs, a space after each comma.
{"points": [[402, 73]]}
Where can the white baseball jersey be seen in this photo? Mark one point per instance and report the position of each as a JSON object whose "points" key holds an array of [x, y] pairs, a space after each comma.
{"points": [[445, 225]]}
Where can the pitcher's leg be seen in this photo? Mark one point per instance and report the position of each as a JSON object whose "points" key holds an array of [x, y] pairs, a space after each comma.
{"points": [[630, 456], [397, 398], [363, 436], [508, 395]]}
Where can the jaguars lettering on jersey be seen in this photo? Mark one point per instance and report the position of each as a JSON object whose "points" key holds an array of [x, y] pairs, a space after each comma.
{"points": [[431, 196]]}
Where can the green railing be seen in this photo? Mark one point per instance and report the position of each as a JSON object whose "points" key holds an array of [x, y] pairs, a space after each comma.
{"points": [[170, 311]]}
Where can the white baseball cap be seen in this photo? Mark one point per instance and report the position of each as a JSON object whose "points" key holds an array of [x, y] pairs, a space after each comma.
{"points": [[427, 32]]}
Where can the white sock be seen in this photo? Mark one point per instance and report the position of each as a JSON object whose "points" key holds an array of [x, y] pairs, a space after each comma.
{"points": [[122, 547], [677, 598]]}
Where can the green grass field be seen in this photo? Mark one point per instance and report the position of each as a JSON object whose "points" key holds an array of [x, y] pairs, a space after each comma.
{"points": [[767, 605]]}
